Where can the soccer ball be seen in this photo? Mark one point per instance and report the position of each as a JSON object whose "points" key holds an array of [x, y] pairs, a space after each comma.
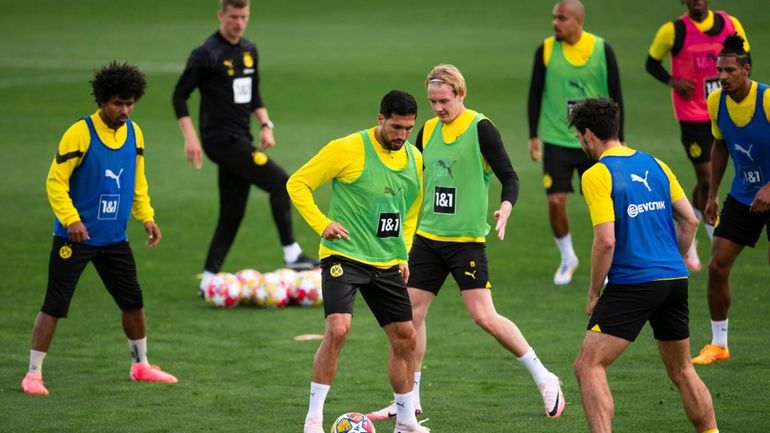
{"points": [[353, 422], [274, 293], [250, 280], [223, 290], [308, 291]]}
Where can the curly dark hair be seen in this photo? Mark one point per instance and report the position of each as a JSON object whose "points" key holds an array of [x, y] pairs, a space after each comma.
{"points": [[118, 79], [601, 116], [733, 46]]}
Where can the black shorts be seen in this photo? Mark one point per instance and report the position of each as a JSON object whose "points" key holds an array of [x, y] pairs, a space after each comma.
{"points": [[697, 140], [238, 159], [114, 263], [431, 261], [383, 290], [739, 225], [559, 163], [622, 310]]}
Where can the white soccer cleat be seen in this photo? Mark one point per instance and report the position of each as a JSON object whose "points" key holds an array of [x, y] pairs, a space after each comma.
{"points": [[313, 425], [564, 272], [553, 398]]}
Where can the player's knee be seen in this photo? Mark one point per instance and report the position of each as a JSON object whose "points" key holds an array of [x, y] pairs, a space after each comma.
{"points": [[485, 321], [718, 269], [338, 330]]}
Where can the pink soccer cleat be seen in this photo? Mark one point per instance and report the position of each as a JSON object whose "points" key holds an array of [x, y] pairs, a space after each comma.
{"points": [[33, 384], [415, 428], [150, 373], [553, 398], [313, 425]]}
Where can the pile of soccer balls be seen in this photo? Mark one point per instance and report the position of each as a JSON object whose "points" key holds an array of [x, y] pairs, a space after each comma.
{"points": [[269, 290]]}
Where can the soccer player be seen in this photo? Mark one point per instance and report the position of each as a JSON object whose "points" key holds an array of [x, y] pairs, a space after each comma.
{"points": [[224, 69], [569, 66], [461, 150], [96, 181], [740, 122], [376, 176], [633, 200], [694, 40]]}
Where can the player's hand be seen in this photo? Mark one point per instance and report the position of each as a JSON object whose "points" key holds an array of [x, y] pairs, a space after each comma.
{"points": [[711, 211], [535, 149], [591, 304], [192, 152], [682, 86], [761, 202], [335, 231], [266, 140], [77, 232], [153, 233], [501, 215], [404, 267]]}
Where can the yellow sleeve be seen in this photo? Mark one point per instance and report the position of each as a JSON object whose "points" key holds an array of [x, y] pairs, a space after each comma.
{"points": [[322, 168], [597, 191], [72, 147], [766, 104], [663, 42], [142, 210], [548, 50], [410, 222], [676, 189], [741, 33], [712, 104]]}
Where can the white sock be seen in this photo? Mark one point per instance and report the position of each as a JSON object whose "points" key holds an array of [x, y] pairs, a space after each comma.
{"points": [[719, 333], [291, 252], [416, 389], [709, 228], [405, 408], [536, 368], [565, 248], [318, 393], [36, 362], [205, 279], [138, 350]]}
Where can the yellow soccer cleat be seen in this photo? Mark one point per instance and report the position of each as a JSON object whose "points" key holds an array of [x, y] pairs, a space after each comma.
{"points": [[710, 354]]}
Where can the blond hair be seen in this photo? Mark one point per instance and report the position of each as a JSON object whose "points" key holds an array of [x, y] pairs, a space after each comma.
{"points": [[449, 75]]}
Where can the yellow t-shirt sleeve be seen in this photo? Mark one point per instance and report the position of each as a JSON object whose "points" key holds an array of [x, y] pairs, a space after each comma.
{"points": [[712, 103], [597, 191], [741, 32], [410, 222], [72, 146], [142, 210], [663, 41], [676, 189], [326, 165]]}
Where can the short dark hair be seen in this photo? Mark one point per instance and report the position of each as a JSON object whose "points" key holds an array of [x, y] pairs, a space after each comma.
{"points": [[398, 102], [118, 79], [601, 116], [237, 4], [734, 46]]}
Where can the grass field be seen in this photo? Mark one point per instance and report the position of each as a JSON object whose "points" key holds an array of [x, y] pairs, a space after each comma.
{"points": [[324, 67]]}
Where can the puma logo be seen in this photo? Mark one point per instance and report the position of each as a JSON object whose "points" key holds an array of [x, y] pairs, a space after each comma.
{"points": [[111, 174], [637, 178], [471, 274], [389, 190], [446, 167], [746, 151], [578, 86]]}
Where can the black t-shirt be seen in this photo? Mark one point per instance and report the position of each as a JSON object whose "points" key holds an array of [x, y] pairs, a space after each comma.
{"points": [[226, 75]]}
